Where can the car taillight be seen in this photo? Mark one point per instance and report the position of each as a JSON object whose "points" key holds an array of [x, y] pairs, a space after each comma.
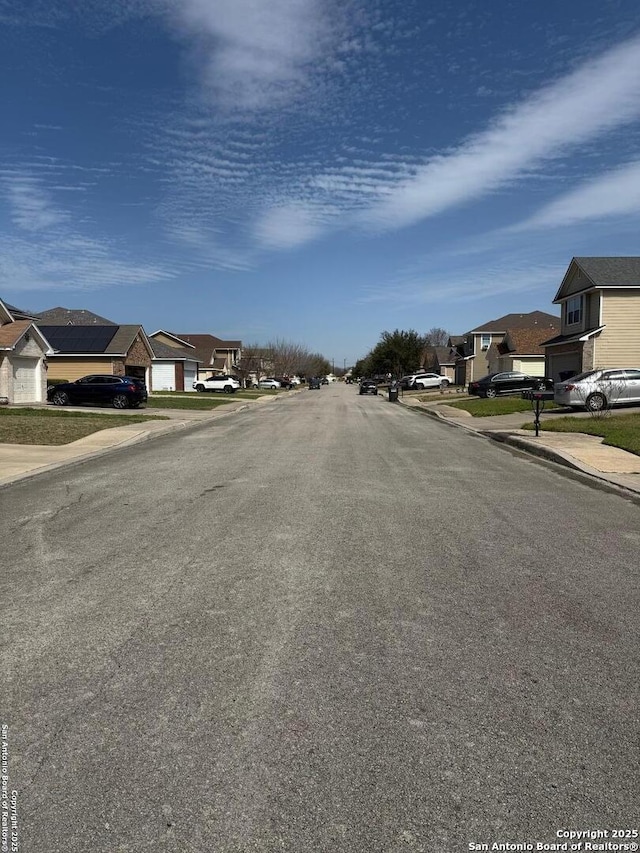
{"points": [[569, 387], [131, 387]]}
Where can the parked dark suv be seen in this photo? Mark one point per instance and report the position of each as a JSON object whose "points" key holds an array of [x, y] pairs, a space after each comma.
{"points": [[100, 390]]}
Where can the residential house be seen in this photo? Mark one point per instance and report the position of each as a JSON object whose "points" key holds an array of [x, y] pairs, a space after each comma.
{"points": [[80, 350], [175, 365], [214, 355], [472, 356], [23, 357], [600, 304], [440, 360], [521, 351]]}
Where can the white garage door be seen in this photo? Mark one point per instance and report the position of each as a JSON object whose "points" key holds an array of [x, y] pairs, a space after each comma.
{"points": [[565, 363], [190, 374], [163, 377], [25, 380]]}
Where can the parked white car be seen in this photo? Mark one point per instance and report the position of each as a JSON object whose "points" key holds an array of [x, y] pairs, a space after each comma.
{"points": [[420, 381], [599, 389], [228, 384]]}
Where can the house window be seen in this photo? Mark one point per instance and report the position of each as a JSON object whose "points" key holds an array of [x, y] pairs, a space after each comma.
{"points": [[485, 342], [573, 310]]}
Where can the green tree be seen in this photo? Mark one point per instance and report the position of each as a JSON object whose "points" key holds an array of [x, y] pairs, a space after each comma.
{"points": [[397, 352]]}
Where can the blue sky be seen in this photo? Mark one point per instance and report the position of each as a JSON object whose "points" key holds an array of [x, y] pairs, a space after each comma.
{"points": [[316, 170]]}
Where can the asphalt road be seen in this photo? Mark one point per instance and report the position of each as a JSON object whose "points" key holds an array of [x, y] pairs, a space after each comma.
{"points": [[330, 624]]}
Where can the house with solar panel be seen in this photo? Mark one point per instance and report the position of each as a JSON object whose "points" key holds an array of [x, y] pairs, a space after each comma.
{"points": [[23, 357], [84, 343]]}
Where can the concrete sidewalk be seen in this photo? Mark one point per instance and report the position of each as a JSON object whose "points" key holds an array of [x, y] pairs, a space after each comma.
{"points": [[19, 461], [585, 453]]}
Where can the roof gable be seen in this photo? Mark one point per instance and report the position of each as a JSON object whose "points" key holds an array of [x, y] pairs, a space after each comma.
{"points": [[12, 333], [586, 273]]}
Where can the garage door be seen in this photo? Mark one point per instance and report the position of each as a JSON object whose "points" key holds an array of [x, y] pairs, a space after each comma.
{"points": [[190, 374], [25, 380], [163, 377], [568, 363]]}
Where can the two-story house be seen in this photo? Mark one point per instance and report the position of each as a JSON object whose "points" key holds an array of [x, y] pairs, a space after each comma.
{"points": [[214, 355], [600, 303], [474, 354]]}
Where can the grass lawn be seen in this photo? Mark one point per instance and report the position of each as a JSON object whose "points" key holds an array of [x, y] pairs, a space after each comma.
{"points": [[195, 402], [485, 408], [618, 431], [203, 401], [51, 426]]}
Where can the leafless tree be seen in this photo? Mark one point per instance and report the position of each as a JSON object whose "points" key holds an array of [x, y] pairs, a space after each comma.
{"points": [[254, 363], [437, 337]]}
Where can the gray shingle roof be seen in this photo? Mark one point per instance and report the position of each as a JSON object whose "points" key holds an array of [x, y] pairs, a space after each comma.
{"points": [[611, 272], [164, 351], [534, 319]]}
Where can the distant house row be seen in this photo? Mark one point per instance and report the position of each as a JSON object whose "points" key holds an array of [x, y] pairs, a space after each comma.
{"points": [[67, 344], [599, 326]]}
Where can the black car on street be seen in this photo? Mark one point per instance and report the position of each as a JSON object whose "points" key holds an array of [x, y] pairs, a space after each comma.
{"points": [[368, 386], [508, 382], [101, 389]]}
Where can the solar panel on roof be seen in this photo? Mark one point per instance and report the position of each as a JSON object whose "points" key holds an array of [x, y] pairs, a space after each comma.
{"points": [[79, 338]]}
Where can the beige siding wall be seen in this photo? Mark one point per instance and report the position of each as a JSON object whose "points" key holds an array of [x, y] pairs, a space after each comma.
{"points": [[532, 366], [618, 345], [165, 339], [71, 369], [480, 364]]}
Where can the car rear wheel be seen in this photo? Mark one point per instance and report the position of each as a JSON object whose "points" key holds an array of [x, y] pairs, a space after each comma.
{"points": [[596, 402], [120, 401], [418, 386], [444, 383], [228, 389], [199, 387], [60, 398], [491, 392]]}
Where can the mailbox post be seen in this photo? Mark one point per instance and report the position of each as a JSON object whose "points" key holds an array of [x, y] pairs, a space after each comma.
{"points": [[537, 400]]}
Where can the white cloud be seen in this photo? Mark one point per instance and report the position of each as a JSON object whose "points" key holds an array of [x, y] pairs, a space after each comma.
{"points": [[255, 53], [31, 206], [615, 193], [288, 226], [601, 95]]}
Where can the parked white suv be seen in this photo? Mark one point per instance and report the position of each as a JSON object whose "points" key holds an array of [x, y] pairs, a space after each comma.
{"points": [[420, 381], [228, 384]]}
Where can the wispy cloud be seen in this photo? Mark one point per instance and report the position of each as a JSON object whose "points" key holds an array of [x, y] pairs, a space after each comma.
{"points": [[616, 193], [255, 55], [386, 193], [32, 208], [597, 97], [289, 225], [48, 250]]}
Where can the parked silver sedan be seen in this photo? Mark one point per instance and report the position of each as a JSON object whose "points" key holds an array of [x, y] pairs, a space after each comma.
{"points": [[599, 389]]}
